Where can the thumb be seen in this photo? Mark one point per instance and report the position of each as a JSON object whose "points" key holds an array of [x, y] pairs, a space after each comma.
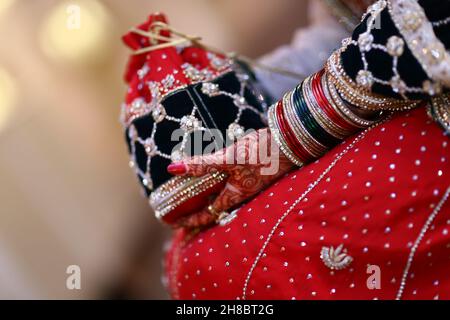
{"points": [[197, 220]]}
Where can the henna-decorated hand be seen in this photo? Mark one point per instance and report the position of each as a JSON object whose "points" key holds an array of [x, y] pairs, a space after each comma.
{"points": [[252, 163]]}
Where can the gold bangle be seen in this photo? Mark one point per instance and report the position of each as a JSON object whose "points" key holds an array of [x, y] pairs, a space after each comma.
{"points": [[178, 190], [274, 129], [340, 105], [439, 110], [358, 95]]}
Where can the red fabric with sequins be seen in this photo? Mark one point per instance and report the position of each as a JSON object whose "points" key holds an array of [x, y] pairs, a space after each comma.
{"points": [[375, 202]]}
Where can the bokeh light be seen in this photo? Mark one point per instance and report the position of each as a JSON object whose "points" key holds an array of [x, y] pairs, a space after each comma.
{"points": [[76, 31], [4, 5], [8, 95]]}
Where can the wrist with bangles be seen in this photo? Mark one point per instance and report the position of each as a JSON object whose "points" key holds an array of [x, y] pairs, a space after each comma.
{"points": [[313, 118]]}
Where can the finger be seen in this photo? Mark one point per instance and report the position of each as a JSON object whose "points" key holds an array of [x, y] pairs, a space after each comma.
{"points": [[242, 152], [228, 198], [199, 165], [197, 220], [246, 151]]}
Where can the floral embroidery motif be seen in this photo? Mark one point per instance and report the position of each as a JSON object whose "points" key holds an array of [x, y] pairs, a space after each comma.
{"points": [[335, 259]]}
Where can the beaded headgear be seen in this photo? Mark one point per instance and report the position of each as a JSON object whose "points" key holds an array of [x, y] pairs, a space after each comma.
{"points": [[186, 90], [411, 46]]}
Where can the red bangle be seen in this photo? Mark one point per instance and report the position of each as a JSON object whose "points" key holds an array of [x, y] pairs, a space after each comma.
{"points": [[292, 142], [326, 105]]}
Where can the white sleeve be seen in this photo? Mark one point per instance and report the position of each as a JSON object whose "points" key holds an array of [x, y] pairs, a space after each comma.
{"points": [[307, 52]]}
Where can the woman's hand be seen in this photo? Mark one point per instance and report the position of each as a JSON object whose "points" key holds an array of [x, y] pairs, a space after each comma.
{"points": [[252, 163]]}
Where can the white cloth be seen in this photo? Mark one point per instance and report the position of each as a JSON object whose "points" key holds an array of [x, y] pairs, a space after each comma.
{"points": [[307, 52]]}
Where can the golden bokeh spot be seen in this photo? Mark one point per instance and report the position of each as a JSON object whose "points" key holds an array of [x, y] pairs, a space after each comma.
{"points": [[76, 31], [5, 5], [8, 96]]}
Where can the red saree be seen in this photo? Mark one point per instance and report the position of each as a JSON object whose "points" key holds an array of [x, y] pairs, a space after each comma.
{"points": [[375, 200]]}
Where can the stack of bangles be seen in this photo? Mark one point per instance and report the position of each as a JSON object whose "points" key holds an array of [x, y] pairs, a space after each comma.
{"points": [[313, 118]]}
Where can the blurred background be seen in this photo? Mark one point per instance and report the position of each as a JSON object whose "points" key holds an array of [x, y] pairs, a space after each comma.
{"points": [[67, 195]]}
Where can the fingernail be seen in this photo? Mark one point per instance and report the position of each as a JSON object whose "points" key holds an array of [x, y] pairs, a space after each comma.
{"points": [[177, 168]]}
